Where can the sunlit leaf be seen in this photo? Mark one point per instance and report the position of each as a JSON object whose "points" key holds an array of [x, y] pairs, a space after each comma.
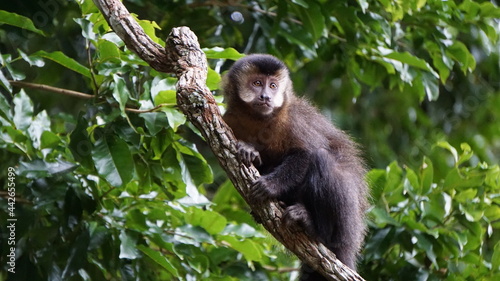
{"points": [[128, 248], [121, 92], [248, 248], [65, 61], [220, 53], [211, 221], [113, 160], [159, 259], [155, 121], [23, 111], [495, 258]]}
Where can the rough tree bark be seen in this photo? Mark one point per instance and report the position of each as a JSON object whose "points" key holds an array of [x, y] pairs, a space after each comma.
{"points": [[184, 57]]}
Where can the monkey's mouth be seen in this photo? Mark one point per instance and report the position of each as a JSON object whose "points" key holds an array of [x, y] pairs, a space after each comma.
{"points": [[263, 104]]}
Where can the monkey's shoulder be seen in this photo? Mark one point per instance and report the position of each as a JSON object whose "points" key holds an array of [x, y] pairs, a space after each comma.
{"points": [[313, 128]]}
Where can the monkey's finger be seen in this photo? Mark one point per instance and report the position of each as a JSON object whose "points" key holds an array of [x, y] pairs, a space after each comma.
{"points": [[257, 161]]}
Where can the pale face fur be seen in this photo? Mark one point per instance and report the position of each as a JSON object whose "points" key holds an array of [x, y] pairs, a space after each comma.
{"points": [[264, 93]]}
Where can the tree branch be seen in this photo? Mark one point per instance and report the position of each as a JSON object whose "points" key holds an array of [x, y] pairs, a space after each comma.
{"points": [[184, 57]]}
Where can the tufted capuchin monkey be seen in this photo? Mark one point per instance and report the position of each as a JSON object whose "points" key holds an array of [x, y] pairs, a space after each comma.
{"points": [[306, 162]]}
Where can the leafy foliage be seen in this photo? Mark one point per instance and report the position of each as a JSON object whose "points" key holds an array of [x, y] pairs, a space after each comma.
{"points": [[425, 228], [119, 186]]}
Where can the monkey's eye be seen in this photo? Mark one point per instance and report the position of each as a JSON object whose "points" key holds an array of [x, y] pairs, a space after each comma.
{"points": [[273, 86], [257, 83]]}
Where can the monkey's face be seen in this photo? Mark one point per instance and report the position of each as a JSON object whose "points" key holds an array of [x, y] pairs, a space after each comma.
{"points": [[263, 93]]}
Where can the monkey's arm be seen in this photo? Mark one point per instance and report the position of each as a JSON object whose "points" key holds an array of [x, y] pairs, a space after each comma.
{"points": [[286, 175]]}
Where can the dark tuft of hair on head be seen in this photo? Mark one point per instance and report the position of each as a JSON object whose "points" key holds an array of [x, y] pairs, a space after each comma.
{"points": [[266, 64]]}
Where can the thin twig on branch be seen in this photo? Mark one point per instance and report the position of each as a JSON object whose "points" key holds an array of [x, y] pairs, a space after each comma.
{"points": [[184, 57], [72, 93]]}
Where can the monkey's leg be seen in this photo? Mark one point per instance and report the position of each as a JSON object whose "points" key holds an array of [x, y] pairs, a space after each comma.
{"points": [[297, 214]]}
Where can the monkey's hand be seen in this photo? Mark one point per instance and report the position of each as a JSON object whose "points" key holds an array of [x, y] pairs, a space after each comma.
{"points": [[248, 154], [264, 189], [297, 214]]}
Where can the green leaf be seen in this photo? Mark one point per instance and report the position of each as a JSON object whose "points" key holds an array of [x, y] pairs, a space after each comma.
{"points": [[150, 28], [155, 121], [409, 59], [39, 124], [87, 28], [313, 20], [376, 178], [440, 60], [108, 51], [380, 242], [248, 248], [492, 213], [196, 164], [450, 148], [175, 118], [19, 21], [489, 10], [127, 246], [459, 52], [78, 256], [431, 86], [189, 233], [165, 97], [466, 154], [301, 3], [466, 195], [455, 180], [166, 88], [33, 61], [363, 4], [136, 220], [65, 61], [40, 169], [49, 140], [113, 160], [211, 221], [5, 109], [434, 208], [382, 218], [23, 111], [120, 92], [199, 263], [213, 79], [426, 175], [220, 53], [424, 243], [80, 144], [242, 230], [157, 257], [495, 258], [5, 82]]}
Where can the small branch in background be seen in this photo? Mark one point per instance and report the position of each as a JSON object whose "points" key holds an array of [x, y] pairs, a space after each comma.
{"points": [[51, 89], [73, 94]]}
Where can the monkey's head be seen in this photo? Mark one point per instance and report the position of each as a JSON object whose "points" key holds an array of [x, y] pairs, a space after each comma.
{"points": [[260, 83]]}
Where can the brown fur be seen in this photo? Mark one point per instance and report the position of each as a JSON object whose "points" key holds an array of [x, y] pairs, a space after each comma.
{"points": [[307, 163]]}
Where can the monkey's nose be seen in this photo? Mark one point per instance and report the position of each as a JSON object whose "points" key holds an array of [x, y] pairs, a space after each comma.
{"points": [[264, 97]]}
